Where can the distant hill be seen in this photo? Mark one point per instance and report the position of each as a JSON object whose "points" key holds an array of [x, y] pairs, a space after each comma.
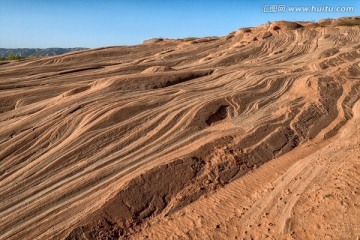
{"points": [[36, 52]]}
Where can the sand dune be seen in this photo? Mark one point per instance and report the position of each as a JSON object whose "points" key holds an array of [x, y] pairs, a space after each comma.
{"points": [[250, 135]]}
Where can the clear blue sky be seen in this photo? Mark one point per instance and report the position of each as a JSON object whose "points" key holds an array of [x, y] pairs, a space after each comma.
{"points": [[96, 23]]}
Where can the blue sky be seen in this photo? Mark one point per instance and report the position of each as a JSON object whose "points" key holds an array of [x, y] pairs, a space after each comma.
{"points": [[96, 23]]}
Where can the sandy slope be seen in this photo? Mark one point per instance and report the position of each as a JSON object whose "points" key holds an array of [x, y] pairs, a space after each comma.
{"points": [[174, 138], [312, 192]]}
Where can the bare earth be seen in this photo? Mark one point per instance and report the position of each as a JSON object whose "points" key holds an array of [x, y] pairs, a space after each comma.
{"points": [[249, 136]]}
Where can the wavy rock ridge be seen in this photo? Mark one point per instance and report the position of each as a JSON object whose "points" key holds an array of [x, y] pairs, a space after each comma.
{"points": [[94, 143]]}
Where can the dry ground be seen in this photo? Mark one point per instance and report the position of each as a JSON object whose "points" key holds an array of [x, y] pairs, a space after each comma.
{"points": [[253, 135]]}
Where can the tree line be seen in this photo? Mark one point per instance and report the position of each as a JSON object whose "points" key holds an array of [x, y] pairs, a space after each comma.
{"points": [[11, 57]]}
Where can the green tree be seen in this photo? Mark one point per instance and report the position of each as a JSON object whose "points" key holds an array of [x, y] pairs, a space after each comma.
{"points": [[12, 56]]}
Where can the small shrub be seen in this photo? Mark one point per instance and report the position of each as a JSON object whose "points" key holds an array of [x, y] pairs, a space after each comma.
{"points": [[349, 24], [190, 38]]}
